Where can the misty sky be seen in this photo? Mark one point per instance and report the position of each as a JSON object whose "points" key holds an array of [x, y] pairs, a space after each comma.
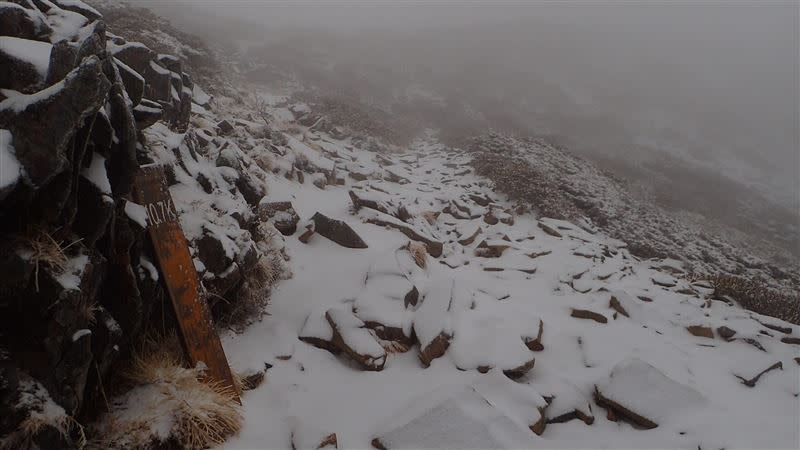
{"points": [[725, 73]]}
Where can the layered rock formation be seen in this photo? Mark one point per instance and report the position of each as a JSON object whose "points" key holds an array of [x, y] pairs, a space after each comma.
{"points": [[79, 285]]}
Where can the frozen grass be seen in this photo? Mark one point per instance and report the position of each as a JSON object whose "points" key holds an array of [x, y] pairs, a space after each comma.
{"points": [[251, 300], [168, 405], [44, 250]]}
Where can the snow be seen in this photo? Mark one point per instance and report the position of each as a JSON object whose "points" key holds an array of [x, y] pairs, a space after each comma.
{"points": [[643, 389], [136, 213], [96, 173], [34, 52], [487, 314], [66, 24], [73, 271], [200, 96], [463, 420], [353, 333], [81, 333], [79, 4], [149, 267], [10, 170], [18, 102]]}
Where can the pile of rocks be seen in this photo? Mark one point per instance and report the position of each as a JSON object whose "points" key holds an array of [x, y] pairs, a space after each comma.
{"points": [[80, 110]]}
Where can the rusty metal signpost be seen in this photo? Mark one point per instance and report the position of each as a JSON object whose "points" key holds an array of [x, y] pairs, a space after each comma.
{"points": [[200, 341]]}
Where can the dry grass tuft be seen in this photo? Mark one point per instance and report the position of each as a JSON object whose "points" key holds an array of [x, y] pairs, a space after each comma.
{"points": [[419, 253], [169, 404], [44, 250], [252, 298]]}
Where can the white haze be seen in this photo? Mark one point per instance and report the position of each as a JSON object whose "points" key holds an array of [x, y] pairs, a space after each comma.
{"points": [[713, 82]]}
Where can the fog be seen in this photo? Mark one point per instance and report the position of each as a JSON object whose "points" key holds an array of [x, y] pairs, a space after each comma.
{"points": [[713, 83]]}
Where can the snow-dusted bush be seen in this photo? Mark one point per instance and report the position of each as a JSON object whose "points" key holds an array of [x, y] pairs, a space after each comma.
{"points": [[168, 405]]}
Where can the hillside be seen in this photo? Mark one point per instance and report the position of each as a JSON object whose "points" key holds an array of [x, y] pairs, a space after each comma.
{"points": [[372, 288]]}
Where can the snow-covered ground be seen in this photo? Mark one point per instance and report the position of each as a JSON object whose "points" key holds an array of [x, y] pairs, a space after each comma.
{"points": [[615, 328]]}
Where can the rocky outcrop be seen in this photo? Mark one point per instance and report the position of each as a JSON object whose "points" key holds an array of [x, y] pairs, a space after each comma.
{"points": [[79, 284]]}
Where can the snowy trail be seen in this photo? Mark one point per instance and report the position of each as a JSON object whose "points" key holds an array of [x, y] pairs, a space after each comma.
{"points": [[683, 381]]}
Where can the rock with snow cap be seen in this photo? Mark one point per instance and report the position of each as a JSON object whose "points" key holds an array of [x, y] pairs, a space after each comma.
{"points": [[351, 335], [337, 231]]}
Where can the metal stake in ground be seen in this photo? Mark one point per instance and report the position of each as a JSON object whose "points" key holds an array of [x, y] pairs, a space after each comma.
{"points": [[200, 341]]}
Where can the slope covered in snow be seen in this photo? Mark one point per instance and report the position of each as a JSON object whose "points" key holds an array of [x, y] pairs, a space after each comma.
{"points": [[620, 351]]}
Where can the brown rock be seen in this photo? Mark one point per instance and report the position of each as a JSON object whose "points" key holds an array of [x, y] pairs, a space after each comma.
{"points": [[434, 248], [518, 372], [44, 129], [617, 306], [701, 331], [725, 333], [615, 409], [490, 218], [778, 328], [282, 215], [337, 231], [486, 250], [471, 238], [17, 21], [541, 424], [586, 314], [536, 344], [752, 381], [352, 336], [435, 349], [549, 230], [790, 340], [306, 236]]}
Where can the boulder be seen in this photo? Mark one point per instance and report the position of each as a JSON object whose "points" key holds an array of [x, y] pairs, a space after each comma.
{"points": [[133, 82], [136, 56], [158, 84], [434, 247], [726, 333], [78, 7], [224, 127], [122, 162], [281, 214], [337, 231], [352, 336], [212, 253], [643, 395], [147, 113], [549, 230], [475, 416], [44, 124], [24, 64], [469, 239], [17, 21], [433, 326], [318, 332], [63, 58], [701, 331], [491, 249]]}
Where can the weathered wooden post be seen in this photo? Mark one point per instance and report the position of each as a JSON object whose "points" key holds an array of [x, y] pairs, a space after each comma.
{"points": [[200, 341]]}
